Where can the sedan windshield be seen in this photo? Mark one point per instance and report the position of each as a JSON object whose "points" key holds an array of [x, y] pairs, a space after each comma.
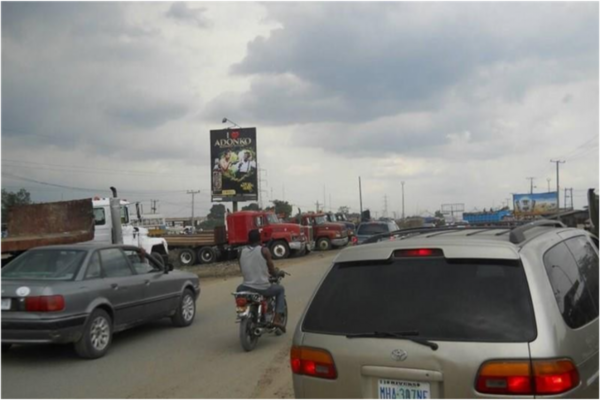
{"points": [[55, 265], [372, 229]]}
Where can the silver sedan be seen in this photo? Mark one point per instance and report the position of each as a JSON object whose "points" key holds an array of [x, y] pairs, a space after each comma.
{"points": [[84, 293]]}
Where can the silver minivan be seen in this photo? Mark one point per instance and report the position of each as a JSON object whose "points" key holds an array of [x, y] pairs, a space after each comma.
{"points": [[455, 313]]}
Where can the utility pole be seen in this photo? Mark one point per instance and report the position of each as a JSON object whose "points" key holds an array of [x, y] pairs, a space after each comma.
{"points": [[360, 196], [402, 200], [317, 204], [385, 208], [548, 179], [153, 208], [572, 207], [283, 191], [330, 206], [507, 202], [324, 198], [531, 182], [193, 193], [558, 162]]}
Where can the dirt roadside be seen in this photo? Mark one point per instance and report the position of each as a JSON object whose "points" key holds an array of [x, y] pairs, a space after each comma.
{"points": [[228, 269]]}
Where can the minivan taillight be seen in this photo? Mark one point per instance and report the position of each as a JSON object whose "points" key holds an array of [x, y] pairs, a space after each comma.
{"points": [[313, 362], [45, 303], [525, 377]]}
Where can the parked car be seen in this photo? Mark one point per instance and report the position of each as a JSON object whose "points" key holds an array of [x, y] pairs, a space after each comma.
{"points": [[458, 313], [368, 229], [84, 293]]}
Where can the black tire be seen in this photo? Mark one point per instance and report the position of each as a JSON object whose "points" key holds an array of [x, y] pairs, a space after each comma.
{"points": [[186, 310], [97, 335], [278, 331], [324, 244], [247, 337], [280, 250], [186, 257], [207, 255], [6, 347]]}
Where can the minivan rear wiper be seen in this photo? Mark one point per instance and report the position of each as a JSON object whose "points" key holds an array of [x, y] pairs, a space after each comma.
{"points": [[408, 335]]}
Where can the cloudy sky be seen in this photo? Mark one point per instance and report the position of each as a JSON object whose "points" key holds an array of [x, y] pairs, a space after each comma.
{"points": [[462, 102]]}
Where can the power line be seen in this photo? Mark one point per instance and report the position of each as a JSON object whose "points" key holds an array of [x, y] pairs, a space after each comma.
{"points": [[85, 189]]}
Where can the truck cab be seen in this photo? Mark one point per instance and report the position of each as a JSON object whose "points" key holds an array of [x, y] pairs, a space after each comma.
{"points": [[341, 219], [282, 238], [132, 235], [327, 234]]}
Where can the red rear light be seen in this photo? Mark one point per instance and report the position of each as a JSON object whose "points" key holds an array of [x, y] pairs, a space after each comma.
{"points": [[313, 362], [241, 301], [555, 376], [419, 253], [518, 377], [45, 303]]}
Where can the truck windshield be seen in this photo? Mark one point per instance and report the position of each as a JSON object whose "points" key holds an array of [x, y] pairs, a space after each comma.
{"points": [[51, 265], [320, 220], [272, 218], [332, 218]]}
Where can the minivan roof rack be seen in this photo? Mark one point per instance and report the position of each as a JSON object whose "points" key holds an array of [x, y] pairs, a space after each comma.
{"points": [[517, 235]]}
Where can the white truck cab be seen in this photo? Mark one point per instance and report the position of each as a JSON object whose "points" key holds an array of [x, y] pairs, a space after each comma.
{"points": [[133, 236]]}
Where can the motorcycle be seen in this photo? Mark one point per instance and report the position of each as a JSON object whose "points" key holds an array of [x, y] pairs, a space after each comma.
{"points": [[256, 315]]}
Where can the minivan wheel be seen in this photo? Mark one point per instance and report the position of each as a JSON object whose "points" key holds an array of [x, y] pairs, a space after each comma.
{"points": [[187, 257], [247, 337], [96, 337], [186, 310], [323, 244]]}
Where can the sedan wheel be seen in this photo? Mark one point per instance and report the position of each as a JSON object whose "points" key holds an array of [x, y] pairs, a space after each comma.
{"points": [[96, 336], [186, 311]]}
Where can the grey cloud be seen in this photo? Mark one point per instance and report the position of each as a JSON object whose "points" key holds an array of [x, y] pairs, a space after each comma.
{"points": [[78, 76], [195, 16], [143, 111], [376, 59]]}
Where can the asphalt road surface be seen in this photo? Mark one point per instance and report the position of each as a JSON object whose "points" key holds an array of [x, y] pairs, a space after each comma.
{"points": [[158, 360]]}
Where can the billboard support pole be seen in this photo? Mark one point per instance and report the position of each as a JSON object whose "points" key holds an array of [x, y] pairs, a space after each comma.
{"points": [[360, 197], [557, 184], [235, 206]]}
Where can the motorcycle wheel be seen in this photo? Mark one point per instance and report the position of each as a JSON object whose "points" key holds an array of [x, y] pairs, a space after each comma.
{"points": [[279, 332], [247, 337]]}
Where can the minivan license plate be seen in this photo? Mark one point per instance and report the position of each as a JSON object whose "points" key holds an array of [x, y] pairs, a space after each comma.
{"points": [[6, 304], [393, 389]]}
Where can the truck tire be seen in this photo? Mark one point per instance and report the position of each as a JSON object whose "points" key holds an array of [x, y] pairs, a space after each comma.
{"points": [[280, 250], [324, 244], [187, 257], [207, 255]]}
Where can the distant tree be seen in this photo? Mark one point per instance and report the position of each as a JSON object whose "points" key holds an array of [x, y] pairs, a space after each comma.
{"points": [[251, 207], [10, 199], [344, 210], [438, 214], [282, 207], [216, 217]]}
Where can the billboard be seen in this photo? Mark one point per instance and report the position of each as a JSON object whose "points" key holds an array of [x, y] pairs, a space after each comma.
{"points": [[534, 203], [234, 164]]}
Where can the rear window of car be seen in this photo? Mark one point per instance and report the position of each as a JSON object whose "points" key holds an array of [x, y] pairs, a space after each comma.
{"points": [[52, 265], [454, 300], [372, 229]]}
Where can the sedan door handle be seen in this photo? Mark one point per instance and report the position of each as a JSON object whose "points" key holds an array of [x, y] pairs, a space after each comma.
{"points": [[147, 282], [114, 286]]}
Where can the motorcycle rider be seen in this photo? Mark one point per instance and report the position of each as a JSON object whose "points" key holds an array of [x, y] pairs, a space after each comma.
{"points": [[256, 265]]}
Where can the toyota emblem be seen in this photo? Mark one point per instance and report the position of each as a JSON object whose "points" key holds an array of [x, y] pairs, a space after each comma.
{"points": [[399, 355]]}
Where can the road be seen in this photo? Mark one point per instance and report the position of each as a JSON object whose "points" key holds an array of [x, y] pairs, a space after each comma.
{"points": [[204, 360]]}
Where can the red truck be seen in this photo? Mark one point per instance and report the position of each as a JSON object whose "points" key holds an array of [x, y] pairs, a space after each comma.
{"points": [[327, 234], [282, 238]]}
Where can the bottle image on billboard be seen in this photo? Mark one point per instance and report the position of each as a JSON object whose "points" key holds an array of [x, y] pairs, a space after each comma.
{"points": [[217, 178]]}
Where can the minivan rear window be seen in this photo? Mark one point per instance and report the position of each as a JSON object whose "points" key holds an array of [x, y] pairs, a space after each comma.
{"points": [[454, 300]]}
